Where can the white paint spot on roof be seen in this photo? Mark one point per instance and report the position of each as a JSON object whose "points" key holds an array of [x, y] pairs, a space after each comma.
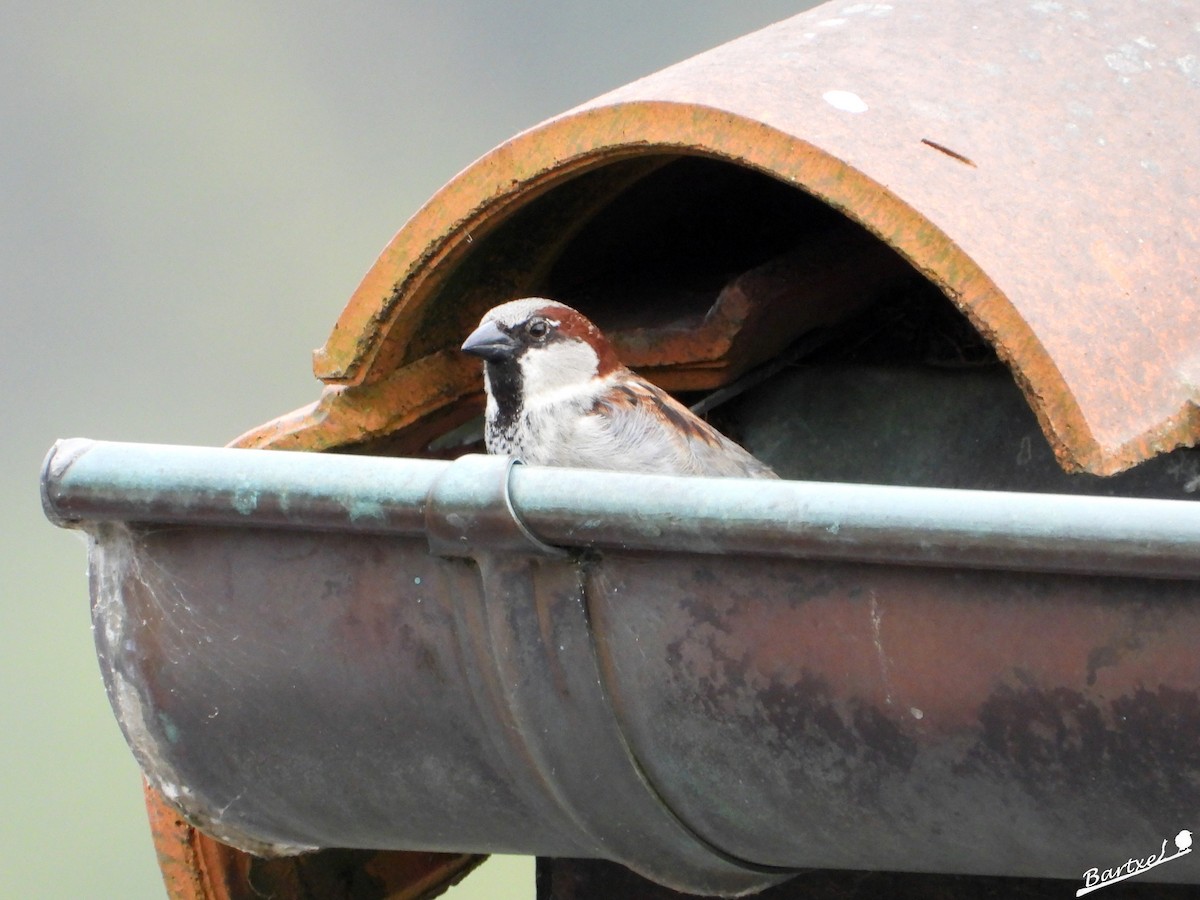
{"points": [[846, 101]]}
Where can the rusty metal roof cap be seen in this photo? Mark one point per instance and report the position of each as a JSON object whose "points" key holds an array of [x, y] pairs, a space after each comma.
{"points": [[1035, 161]]}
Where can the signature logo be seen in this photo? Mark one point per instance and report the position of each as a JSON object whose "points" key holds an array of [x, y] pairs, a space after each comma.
{"points": [[1094, 879]]}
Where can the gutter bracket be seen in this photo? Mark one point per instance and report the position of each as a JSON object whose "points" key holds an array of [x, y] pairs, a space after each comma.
{"points": [[469, 510]]}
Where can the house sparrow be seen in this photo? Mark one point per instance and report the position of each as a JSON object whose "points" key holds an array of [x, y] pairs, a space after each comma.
{"points": [[558, 396]]}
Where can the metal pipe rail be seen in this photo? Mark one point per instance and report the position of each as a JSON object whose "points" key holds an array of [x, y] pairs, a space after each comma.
{"points": [[95, 481]]}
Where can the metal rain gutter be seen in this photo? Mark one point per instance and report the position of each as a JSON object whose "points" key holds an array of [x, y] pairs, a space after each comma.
{"points": [[457, 503], [720, 682]]}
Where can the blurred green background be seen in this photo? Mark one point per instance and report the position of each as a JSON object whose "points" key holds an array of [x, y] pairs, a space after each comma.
{"points": [[190, 193]]}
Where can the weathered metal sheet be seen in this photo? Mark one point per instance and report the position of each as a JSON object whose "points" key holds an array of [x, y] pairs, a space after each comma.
{"points": [[1035, 161], [879, 678]]}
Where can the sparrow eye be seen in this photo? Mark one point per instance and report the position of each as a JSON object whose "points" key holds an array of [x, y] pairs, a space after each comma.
{"points": [[537, 328]]}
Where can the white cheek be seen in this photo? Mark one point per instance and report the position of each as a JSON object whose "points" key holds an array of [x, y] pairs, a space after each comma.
{"points": [[557, 369]]}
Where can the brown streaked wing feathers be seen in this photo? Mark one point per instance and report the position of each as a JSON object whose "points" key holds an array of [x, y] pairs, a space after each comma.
{"points": [[629, 410]]}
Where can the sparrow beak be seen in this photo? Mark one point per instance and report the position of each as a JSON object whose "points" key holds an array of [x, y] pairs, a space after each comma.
{"points": [[490, 343]]}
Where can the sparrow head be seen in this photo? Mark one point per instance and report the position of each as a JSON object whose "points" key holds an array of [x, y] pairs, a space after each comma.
{"points": [[536, 345]]}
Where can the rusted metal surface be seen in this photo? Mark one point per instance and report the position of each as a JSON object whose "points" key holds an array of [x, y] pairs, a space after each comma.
{"points": [[197, 867], [192, 865], [419, 402], [712, 720], [1066, 238]]}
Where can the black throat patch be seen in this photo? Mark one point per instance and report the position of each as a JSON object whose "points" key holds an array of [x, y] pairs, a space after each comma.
{"points": [[506, 383]]}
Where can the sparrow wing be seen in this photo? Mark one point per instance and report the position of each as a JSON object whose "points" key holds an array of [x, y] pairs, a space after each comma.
{"points": [[641, 422]]}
